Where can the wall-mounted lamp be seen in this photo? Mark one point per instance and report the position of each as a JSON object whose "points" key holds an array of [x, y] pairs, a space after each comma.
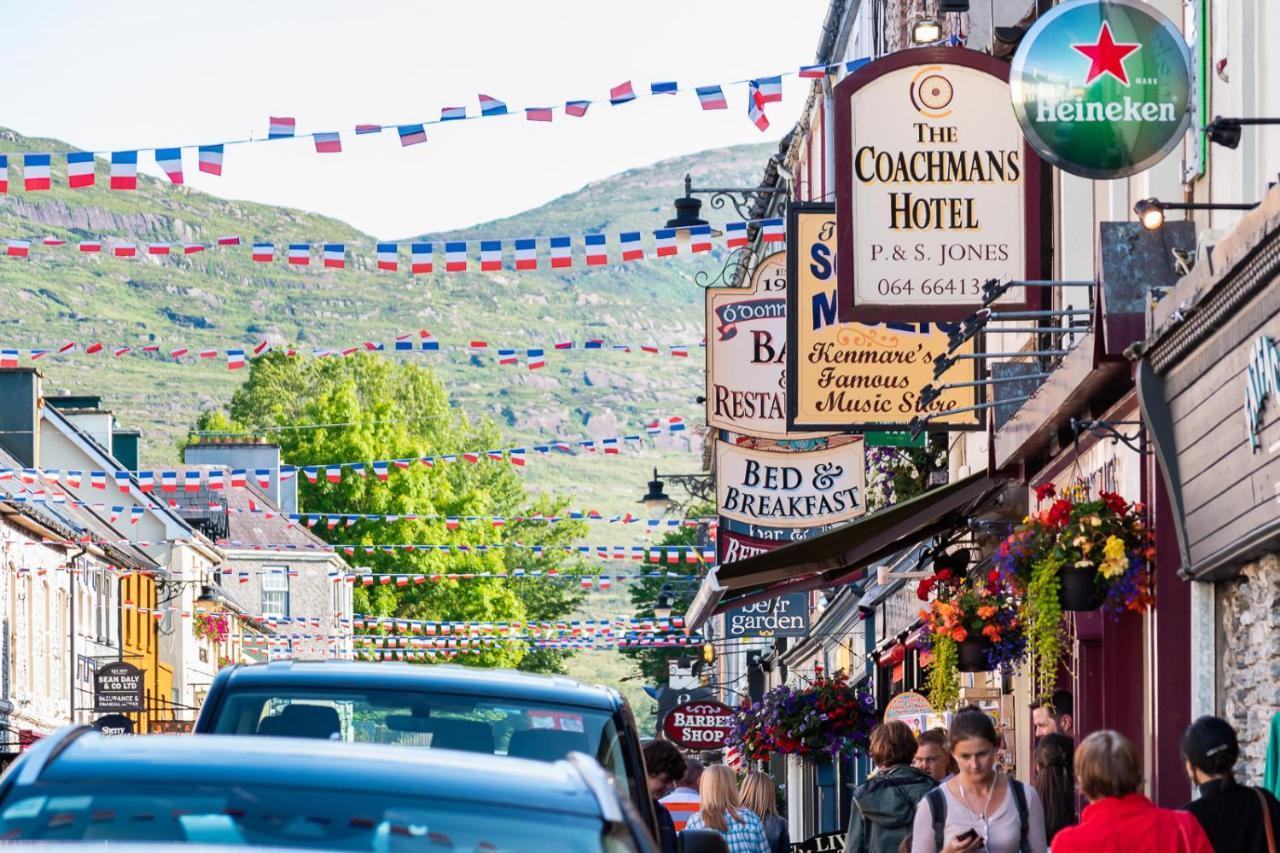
{"points": [[1151, 211], [1226, 131]]}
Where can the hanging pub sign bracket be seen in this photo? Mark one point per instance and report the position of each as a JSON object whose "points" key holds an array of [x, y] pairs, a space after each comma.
{"points": [[1109, 429]]}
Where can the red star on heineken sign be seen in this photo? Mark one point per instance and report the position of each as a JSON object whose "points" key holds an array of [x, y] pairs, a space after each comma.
{"points": [[1106, 56]]}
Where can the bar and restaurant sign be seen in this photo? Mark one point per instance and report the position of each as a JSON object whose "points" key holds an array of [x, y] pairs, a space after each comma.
{"points": [[784, 616], [790, 489], [855, 376], [941, 184]]}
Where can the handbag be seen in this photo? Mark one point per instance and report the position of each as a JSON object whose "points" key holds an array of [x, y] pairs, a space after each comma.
{"points": [[1266, 821]]}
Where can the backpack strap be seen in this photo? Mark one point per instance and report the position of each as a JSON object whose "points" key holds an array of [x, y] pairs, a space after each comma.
{"points": [[938, 810], [1020, 800]]}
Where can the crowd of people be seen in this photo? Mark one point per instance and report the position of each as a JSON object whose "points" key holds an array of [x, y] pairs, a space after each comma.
{"points": [[944, 792]]}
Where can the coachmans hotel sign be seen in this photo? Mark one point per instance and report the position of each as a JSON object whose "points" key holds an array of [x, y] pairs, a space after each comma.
{"points": [[1102, 88]]}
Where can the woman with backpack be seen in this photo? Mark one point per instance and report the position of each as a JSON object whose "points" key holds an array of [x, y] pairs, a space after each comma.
{"points": [[1235, 817], [884, 807], [978, 809], [758, 794]]}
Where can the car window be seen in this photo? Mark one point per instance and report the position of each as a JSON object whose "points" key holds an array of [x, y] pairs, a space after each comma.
{"points": [[247, 814]]}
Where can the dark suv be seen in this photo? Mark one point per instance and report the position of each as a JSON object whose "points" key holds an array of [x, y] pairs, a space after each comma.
{"points": [[432, 707]]}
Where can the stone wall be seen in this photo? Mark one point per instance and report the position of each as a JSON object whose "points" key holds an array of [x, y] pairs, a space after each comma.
{"points": [[1249, 675]]}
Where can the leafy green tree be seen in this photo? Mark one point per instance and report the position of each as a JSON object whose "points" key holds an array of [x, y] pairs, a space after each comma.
{"points": [[366, 408]]}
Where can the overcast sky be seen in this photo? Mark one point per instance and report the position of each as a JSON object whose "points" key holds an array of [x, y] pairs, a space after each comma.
{"points": [[126, 75]]}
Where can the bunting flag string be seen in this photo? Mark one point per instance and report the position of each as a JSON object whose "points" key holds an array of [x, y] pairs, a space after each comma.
{"points": [[81, 165], [213, 479], [493, 254], [534, 358], [332, 520]]}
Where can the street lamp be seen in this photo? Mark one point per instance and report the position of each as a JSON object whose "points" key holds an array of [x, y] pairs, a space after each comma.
{"points": [[656, 501], [1226, 131], [926, 31], [663, 605], [688, 207], [1150, 211]]}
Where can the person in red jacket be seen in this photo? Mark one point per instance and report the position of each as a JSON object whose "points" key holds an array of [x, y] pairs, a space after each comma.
{"points": [[1118, 819]]}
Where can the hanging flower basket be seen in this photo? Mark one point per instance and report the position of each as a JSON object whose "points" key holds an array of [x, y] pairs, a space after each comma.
{"points": [[816, 722], [972, 654], [1078, 589]]}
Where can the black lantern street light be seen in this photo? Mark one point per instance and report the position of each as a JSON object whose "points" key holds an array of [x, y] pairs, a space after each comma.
{"points": [[1151, 211], [665, 602], [657, 502], [742, 198], [1226, 131]]}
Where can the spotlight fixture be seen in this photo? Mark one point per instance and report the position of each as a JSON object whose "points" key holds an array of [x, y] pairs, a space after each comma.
{"points": [[1151, 211], [926, 31], [1226, 131]]}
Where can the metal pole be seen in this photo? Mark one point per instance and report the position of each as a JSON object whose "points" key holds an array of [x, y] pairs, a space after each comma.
{"points": [[1027, 353], [996, 381]]}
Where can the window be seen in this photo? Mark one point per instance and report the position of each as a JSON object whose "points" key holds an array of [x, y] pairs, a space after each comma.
{"points": [[275, 591]]}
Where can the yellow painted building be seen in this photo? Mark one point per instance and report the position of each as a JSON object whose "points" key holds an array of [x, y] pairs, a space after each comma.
{"points": [[141, 645]]}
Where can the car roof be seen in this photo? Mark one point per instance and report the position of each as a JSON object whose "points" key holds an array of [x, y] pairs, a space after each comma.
{"points": [[464, 680], [436, 774]]}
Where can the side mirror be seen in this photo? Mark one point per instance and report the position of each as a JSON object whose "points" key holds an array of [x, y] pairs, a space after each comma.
{"points": [[701, 841]]}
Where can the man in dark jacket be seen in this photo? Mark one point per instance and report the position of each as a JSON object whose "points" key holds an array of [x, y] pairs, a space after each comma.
{"points": [[664, 766], [885, 807], [1235, 817]]}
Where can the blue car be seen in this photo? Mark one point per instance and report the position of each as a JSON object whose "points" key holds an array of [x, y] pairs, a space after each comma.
{"points": [[80, 786]]}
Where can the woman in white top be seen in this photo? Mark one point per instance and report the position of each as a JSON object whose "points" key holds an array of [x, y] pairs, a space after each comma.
{"points": [[978, 810]]}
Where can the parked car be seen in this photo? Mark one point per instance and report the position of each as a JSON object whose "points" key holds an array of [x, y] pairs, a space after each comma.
{"points": [[452, 707], [80, 786]]}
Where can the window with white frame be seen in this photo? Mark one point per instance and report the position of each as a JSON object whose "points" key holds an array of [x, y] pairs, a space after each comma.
{"points": [[275, 591]]}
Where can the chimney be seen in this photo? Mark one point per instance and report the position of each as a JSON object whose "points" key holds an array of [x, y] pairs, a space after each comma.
{"points": [[86, 412], [251, 456], [125, 446], [20, 414]]}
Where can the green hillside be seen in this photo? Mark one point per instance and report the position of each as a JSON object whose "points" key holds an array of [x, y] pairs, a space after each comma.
{"points": [[220, 298]]}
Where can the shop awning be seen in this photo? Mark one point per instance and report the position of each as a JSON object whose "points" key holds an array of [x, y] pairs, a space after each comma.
{"points": [[842, 555]]}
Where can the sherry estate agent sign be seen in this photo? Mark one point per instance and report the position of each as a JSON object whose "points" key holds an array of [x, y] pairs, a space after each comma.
{"points": [[853, 376], [790, 489], [1102, 89], [937, 191]]}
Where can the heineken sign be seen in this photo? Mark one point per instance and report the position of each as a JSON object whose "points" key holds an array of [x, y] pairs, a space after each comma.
{"points": [[1102, 88]]}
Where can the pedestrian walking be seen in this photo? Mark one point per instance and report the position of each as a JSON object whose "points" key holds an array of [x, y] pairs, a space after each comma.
{"points": [[1056, 782], [884, 807], [683, 801], [758, 794], [1054, 716], [1234, 817], [933, 756], [979, 809], [1118, 819], [663, 765], [722, 810]]}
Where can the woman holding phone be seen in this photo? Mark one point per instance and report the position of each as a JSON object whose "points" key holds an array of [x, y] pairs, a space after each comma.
{"points": [[978, 810]]}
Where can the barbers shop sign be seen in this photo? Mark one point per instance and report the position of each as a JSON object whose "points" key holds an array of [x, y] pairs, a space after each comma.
{"points": [[699, 725], [790, 489], [1102, 88]]}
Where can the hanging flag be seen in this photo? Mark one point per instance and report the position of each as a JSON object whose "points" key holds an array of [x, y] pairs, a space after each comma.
{"points": [[769, 89], [577, 109], [411, 134], [4, 173], [774, 231], [228, 241], [735, 235], [813, 72], [211, 159], [536, 359], [8, 358], [428, 340], [652, 349], [335, 256], [712, 98], [666, 88], [179, 352], [119, 351], [388, 257], [611, 446], [239, 478], [631, 248], [124, 250], [564, 344], [755, 108], [526, 254], [124, 170], [453, 113], [191, 481], [170, 162], [146, 481], [80, 165], [597, 253], [368, 128], [478, 346], [490, 106], [538, 113], [19, 248], [35, 172], [490, 255], [419, 257], [53, 241], [333, 473], [455, 257], [506, 356], [561, 252], [235, 359], [264, 253], [700, 238], [666, 242], [281, 127], [621, 94], [168, 481], [327, 143], [300, 254], [157, 248], [89, 246], [192, 248], [94, 348], [855, 64], [680, 351]]}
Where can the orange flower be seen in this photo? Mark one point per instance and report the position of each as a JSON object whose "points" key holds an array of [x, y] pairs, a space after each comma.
{"points": [[986, 611], [992, 633], [959, 634]]}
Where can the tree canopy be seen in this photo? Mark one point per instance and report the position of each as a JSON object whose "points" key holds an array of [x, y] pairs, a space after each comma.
{"points": [[367, 407]]}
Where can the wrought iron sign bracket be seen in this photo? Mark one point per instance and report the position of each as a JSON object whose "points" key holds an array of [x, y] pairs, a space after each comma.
{"points": [[1110, 429]]}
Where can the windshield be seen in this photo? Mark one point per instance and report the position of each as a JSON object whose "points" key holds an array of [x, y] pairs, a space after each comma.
{"points": [[539, 731], [240, 815]]}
